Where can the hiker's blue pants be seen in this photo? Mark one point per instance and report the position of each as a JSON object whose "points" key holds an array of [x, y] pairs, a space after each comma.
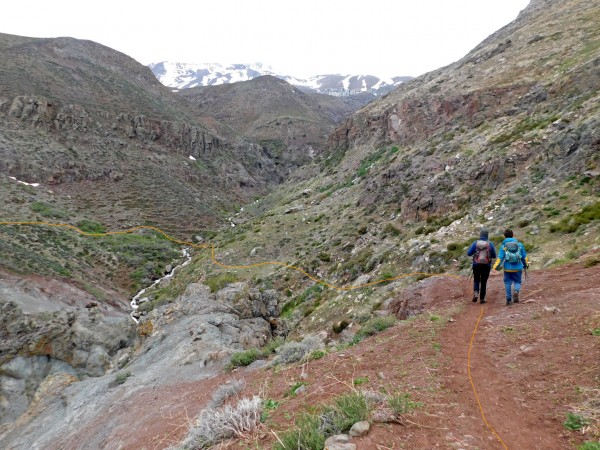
{"points": [[509, 279]]}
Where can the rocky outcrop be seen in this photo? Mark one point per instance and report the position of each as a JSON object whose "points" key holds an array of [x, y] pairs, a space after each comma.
{"points": [[418, 116], [186, 138], [79, 342], [186, 341]]}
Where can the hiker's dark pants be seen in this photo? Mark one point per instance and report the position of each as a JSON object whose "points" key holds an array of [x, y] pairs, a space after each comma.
{"points": [[481, 273]]}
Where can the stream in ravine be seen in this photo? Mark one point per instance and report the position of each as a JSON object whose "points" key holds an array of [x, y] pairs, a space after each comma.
{"points": [[138, 299]]}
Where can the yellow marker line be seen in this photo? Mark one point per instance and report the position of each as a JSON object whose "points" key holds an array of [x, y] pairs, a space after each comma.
{"points": [[226, 266], [487, 424]]}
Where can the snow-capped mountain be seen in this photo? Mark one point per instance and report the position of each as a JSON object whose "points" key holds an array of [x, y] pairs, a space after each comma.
{"points": [[186, 75]]}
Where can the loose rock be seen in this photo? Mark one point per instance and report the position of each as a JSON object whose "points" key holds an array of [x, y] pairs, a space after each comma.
{"points": [[360, 428]]}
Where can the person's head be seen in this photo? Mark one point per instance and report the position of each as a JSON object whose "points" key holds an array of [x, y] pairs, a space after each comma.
{"points": [[484, 234], [508, 233]]}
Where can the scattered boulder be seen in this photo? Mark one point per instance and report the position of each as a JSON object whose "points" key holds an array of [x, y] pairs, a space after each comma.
{"points": [[339, 442], [294, 209], [360, 428]]}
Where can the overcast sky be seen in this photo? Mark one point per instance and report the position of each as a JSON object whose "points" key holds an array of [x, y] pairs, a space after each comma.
{"points": [[299, 38]]}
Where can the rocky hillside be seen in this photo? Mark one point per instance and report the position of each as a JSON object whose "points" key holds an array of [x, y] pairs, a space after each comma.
{"points": [[187, 75], [89, 134], [76, 114], [291, 126]]}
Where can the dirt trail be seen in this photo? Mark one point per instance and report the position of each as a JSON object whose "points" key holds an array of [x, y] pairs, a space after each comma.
{"points": [[526, 359]]}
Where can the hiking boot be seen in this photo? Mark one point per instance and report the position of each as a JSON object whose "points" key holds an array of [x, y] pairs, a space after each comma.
{"points": [[516, 297], [475, 296], [482, 301], [508, 302]]}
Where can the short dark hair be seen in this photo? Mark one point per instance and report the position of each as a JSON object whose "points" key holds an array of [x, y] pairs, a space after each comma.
{"points": [[508, 233]]}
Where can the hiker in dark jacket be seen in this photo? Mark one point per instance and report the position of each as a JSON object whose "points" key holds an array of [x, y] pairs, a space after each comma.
{"points": [[513, 259], [483, 253]]}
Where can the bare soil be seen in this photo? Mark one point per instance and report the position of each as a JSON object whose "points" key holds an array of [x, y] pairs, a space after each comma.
{"points": [[530, 364]]}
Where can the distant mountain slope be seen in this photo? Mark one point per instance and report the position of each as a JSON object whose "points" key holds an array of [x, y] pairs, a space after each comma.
{"points": [[107, 142], [292, 126], [187, 75], [77, 111]]}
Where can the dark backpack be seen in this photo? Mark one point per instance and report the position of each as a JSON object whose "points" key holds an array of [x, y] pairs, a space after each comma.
{"points": [[483, 253], [512, 252]]}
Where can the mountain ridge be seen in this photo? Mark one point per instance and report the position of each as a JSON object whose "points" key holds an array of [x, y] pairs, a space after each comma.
{"points": [[188, 75]]}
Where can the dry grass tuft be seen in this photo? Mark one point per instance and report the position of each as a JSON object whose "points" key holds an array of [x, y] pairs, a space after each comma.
{"points": [[216, 425]]}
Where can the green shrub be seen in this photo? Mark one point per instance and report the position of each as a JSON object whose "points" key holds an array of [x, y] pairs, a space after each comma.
{"points": [[311, 293], [575, 422], [345, 412], [572, 222], [293, 388], [366, 163], [244, 358], [401, 404], [457, 250], [145, 255], [360, 380], [46, 210], [271, 346], [373, 326], [311, 429], [325, 257], [589, 445], [386, 276], [218, 282], [358, 264], [391, 229], [316, 354], [305, 435], [90, 226], [377, 324], [268, 406], [530, 123], [121, 377]]}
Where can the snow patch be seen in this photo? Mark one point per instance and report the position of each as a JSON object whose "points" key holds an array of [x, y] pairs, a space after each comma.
{"points": [[25, 183]]}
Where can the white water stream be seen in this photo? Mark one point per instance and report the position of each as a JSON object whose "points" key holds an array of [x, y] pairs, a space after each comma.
{"points": [[136, 301]]}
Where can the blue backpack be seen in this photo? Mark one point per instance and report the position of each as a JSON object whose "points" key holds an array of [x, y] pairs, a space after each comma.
{"points": [[512, 252]]}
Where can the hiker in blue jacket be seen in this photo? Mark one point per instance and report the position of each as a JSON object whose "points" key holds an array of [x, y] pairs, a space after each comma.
{"points": [[513, 259], [483, 253]]}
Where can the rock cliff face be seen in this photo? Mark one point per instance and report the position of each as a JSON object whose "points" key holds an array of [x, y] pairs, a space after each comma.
{"points": [[79, 342]]}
